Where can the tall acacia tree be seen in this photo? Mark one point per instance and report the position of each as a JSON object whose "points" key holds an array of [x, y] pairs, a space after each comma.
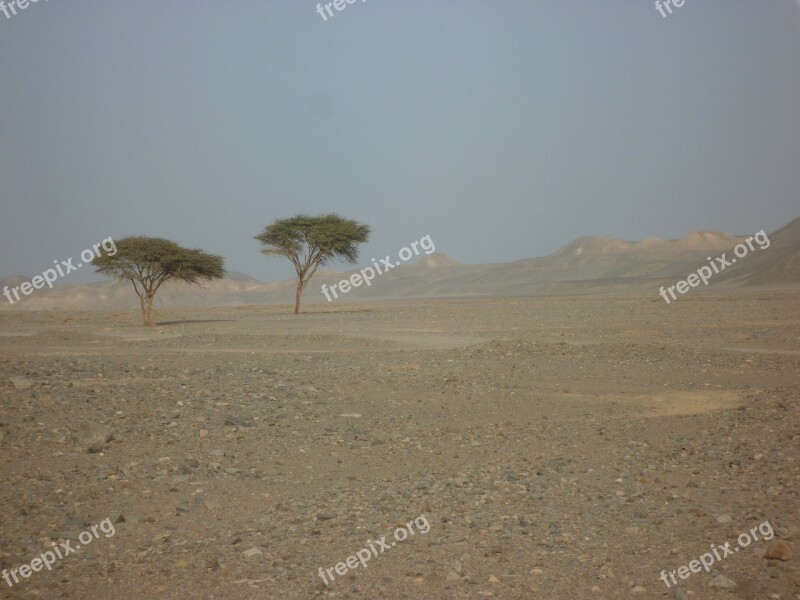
{"points": [[313, 241], [148, 262]]}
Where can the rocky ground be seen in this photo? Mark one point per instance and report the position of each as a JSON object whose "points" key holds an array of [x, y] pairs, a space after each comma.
{"points": [[557, 447]]}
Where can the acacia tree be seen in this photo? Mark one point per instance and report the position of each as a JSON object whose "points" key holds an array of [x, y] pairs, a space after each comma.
{"points": [[313, 241], [148, 262]]}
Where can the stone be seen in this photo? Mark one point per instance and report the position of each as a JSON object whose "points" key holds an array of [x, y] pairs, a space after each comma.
{"points": [[162, 537], [679, 594], [721, 582], [724, 519], [253, 553], [138, 519], [20, 383], [232, 421], [778, 550], [95, 437], [211, 504], [76, 524]]}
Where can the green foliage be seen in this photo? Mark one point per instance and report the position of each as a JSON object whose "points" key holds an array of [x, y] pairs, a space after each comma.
{"points": [[149, 259], [321, 239]]}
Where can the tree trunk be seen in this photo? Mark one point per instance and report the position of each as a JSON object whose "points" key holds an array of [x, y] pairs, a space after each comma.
{"points": [[147, 310], [143, 307], [297, 294]]}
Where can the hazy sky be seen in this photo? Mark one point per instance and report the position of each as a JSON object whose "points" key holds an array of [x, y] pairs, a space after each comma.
{"points": [[502, 128]]}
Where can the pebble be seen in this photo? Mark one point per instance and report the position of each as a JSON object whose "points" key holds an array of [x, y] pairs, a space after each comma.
{"points": [[778, 550], [95, 437], [253, 553], [20, 383], [722, 583], [680, 594]]}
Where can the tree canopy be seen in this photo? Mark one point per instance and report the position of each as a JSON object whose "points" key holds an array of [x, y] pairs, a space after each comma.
{"points": [[309, 242]]}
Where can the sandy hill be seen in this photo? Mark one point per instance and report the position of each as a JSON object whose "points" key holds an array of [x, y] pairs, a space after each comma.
{"points": [[698, 242], [778, 264], [706, 241]]}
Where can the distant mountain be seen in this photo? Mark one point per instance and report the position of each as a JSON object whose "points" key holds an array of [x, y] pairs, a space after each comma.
{"points": [[695, 243], [609, 261], [706, 241], [241, 277], [585, 265], [778, 264], [12, 281], [592, 247], [437, 260]]}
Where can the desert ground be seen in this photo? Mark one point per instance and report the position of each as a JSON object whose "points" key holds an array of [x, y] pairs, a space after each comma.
{"points": [[558, 447]]}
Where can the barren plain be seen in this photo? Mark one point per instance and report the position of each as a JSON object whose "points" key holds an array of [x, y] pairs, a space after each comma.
{"points": [[560, 448]]}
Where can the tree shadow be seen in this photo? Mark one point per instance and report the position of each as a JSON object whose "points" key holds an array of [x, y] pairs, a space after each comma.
{"points": [[188, 321]]}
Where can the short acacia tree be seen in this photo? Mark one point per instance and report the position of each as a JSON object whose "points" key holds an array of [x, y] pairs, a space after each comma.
{"points": [[313, 241], [148, 262]]}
